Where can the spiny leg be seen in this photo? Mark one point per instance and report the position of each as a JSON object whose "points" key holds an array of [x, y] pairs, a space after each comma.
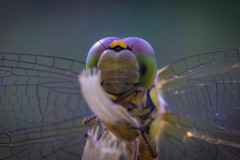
{"points": [[90, 119], [136, 89], [151, 148]]}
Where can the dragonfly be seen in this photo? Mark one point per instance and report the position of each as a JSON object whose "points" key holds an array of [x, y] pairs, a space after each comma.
{"points": [[42, 108]]}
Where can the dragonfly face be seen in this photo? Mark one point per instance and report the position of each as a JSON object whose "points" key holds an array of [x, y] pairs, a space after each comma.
{"points": [[124, 63], [41, 108]]}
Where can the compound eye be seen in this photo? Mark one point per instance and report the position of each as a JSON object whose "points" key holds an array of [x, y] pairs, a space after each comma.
{"points": [[146, 59], [97, 49]]}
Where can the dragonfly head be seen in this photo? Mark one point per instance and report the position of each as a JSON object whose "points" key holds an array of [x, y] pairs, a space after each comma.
{"points": [[125, 63]]}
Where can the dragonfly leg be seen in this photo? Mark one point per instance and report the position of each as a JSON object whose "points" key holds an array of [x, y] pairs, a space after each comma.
{"points": [[141, 148], [103, 134], [147, 148], [90, 119], [135, 90]]}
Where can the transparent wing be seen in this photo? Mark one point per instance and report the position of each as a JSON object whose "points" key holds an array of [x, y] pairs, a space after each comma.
{"points": [[41, 107], [201, 98]]}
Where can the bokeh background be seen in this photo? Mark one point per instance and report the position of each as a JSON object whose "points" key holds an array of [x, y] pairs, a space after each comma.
{"points": [[68, 28]]}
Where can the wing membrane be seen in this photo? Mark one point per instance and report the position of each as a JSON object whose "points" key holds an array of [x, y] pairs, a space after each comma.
{"points": [[202, 93], [41, 107]]}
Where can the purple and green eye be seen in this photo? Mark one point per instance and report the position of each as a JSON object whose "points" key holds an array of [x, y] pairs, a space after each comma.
{"points": [[132, 46], [97, 49]]}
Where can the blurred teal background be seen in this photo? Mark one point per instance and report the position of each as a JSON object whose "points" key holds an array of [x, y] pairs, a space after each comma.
{"points": [[68, 28]]}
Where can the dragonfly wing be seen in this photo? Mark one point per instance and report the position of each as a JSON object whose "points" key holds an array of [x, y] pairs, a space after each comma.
{"points": [[202, 95], [186, 138], [41, 107]]}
